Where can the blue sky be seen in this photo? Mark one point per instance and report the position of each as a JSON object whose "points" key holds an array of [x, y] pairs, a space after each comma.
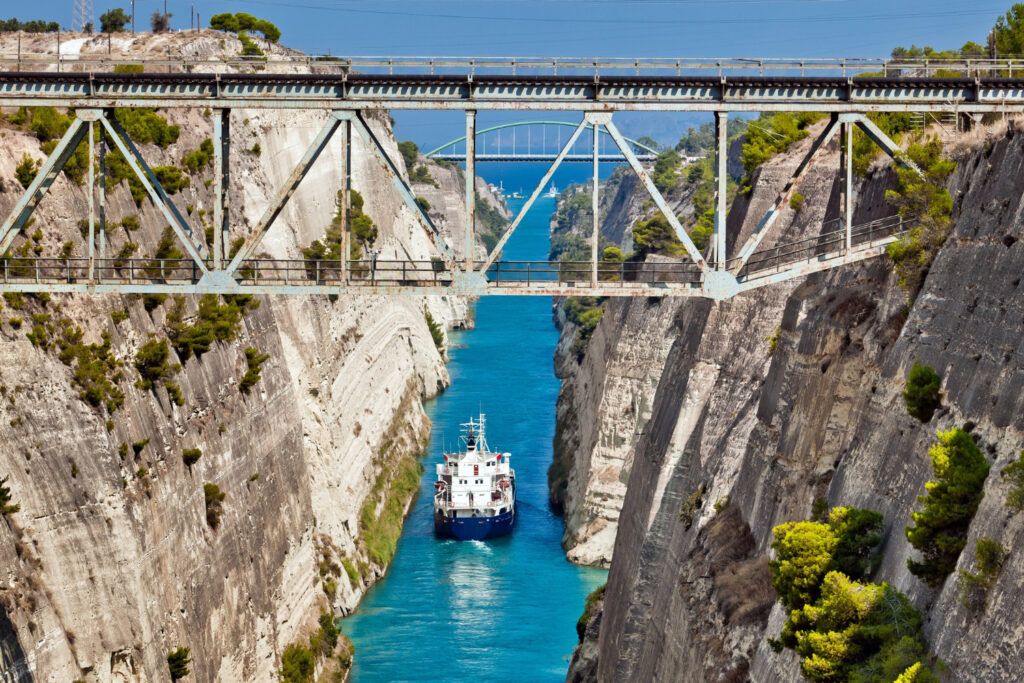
{"points": [[634, 28]]}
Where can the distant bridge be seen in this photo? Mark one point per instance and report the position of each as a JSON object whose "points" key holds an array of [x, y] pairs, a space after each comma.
{"points": [[542, 142], [346, 97]]}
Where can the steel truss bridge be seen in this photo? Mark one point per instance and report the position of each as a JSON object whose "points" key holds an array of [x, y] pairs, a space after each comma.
{"points": [[348, 95]]}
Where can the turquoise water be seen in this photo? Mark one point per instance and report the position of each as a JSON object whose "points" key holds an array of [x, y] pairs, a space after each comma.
{"points": [[504, 610]]}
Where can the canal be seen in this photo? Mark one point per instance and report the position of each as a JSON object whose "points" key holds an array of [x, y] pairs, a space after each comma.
{"points": [[504, 610]]}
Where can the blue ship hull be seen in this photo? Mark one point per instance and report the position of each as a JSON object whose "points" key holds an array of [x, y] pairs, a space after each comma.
{"points": [[474, 528]]}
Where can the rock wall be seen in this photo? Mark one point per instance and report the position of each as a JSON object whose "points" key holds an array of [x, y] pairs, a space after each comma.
{"points": [[745, 434], [110, 562]]}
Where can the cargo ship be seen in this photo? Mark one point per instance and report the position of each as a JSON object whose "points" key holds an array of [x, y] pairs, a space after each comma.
{"points": [[475, 490]]}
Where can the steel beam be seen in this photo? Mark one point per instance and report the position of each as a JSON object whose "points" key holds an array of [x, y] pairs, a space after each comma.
{"points": [[91, 248], [152, 185], [595, 205], [659, 200], [285, 192], [470, 190], [879, 137], [404, 191], [825, 262], [782, 200], [492, 257], [721, 185], [39, 186], [345, 248], [221, 185], [103, 196], [846, 168]]}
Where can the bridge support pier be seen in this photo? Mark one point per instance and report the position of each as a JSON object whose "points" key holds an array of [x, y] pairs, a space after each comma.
{"points": [[470, 189], [346, 198], [221, 182]]}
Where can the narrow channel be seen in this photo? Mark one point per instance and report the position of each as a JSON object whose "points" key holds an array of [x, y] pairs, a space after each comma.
{"points": [[504, 610]]}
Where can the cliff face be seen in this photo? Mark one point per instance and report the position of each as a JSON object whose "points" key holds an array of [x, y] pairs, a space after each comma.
{"points": [[111, 562], [745, 434]]}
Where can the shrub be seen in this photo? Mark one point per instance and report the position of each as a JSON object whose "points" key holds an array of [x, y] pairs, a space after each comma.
{"points": [[200, 158], [921, 392], [989, 556], [656, 236], [191, 456], [665, 167], [420, 174], [410, 153], [250, 49], [178, 661], [138, 446], [594, 597], [174, 392], [253, 360], [796, 201], [119, 316], [145, 127], [927, 200], [806, 551], [26, 171], [214, 504], [114, 20], [298, 664], [95, 369], [364, 234], [940, 528], [171, 178], [423, 204], [160, 22], [1014, 473], [6, 506], [152, 360], [214, 321], [436, 333], [772, 134]]}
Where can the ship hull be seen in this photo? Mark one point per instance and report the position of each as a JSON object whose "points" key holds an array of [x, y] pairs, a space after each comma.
{"points": [[474, 528]]}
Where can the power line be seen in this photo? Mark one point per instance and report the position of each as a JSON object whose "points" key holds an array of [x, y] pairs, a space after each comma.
{"points": [[618, 22]]}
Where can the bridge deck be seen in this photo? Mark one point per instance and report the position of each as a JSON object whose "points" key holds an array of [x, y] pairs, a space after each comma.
{"points": [[658, 277]]}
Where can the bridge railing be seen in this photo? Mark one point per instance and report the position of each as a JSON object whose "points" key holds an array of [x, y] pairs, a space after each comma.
{"points": [[828, 242], [15, 59], [513, 274]]}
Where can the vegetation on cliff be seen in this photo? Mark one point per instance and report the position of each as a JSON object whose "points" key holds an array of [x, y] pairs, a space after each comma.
{"points": [[327, 644], [843, 627], [940, 528], [925, 200], [989, 556], [1014, 473], [921, 392], [178, 661]]}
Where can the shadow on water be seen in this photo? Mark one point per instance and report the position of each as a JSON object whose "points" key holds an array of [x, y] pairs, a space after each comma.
{"points": [[502, 610]]}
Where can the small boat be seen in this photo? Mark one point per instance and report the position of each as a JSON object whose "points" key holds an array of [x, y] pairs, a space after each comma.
{"points": [[552, 191], [475, 490], [518, 194]]}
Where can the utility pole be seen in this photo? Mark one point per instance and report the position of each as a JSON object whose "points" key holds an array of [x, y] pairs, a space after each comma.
{"points": [[133, 17]]}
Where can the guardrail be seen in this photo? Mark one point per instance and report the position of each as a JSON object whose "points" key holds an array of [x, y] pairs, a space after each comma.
{"points": [[550, 66]]}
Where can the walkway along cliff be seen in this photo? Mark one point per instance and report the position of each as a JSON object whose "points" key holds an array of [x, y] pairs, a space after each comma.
{"points": [[212, 473], [696, 427]]}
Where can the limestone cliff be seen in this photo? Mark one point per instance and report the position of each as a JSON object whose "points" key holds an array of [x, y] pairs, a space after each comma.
{"points": [[112, 561], [745, 433]]}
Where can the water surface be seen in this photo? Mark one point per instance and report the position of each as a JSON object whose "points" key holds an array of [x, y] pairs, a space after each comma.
{"points": [[502, 610]]}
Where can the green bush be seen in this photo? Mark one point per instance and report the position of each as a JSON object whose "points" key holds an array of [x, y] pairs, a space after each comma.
{"points": [[796, 201], [392, 490], [989, 555], [152, 360], [410, 153], [423, 204], [190, 456], [6, 506], [250, 49], [298, 664], [436, 333], [364, 234], [594, 597], [420, 174], [214, 498], [665, 166], [171, 178], [921, 392], [243, 21], [145, 127], [119, 315], [178, 661], [806, 551], [214, 322], [772, 134], [939, 531], [138, 446], [1014, 473], [926, 200], [656, 236], [26, 171], [254, 360], [95, 369], [174, 392], [200, 158], [114, 20]]}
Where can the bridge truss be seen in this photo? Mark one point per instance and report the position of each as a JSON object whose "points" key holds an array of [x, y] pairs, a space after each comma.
{"points": [[348, 97]]}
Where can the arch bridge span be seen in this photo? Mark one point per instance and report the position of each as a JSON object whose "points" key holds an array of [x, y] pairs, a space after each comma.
{"points": [[537, 147]]}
